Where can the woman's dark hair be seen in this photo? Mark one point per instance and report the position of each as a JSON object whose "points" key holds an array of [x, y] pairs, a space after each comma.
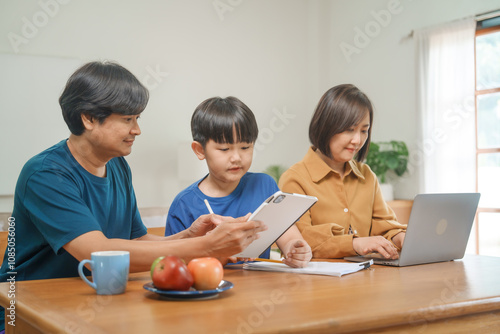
{"points": [[98, 89], [339, 109], [216, 117]]}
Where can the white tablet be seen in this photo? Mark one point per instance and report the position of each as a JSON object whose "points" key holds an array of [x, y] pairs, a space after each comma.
{"points": [[279, 212]]}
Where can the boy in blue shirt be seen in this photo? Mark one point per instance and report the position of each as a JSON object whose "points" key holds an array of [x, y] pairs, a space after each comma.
{"points": [[224, 132]]}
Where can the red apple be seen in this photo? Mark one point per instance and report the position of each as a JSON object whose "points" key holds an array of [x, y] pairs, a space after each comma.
{"points": [[207, 272], [171, 273]]}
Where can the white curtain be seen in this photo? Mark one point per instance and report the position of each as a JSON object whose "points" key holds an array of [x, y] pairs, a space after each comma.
{"points": [[445, 157]]}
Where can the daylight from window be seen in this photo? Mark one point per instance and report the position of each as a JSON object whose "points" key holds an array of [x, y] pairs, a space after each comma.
{"points": [[488, 141]]}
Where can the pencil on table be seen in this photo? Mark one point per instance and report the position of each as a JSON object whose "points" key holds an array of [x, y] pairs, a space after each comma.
{"points": [[268, 260]]}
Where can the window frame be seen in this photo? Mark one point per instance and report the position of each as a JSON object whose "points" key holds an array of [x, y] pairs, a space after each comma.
{"points": [[479, 151]]}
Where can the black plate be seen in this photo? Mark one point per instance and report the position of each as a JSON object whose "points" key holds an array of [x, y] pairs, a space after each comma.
{"points": [[190, 294]]}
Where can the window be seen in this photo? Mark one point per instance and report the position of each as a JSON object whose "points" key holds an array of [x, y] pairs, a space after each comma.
{"points": [[488, 136]]}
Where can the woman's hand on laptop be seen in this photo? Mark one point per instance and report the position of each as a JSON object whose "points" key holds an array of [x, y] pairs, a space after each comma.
{"points": [[399, 239], [377, 244]]}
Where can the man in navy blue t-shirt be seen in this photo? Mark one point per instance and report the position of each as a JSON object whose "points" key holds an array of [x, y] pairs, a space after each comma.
{"points": [[77, 196]]}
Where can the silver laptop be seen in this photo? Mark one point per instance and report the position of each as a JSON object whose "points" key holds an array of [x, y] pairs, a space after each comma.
{"points": [[438, 230]]}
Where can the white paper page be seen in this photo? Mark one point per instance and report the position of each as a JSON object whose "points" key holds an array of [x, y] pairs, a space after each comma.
{"points": [[316, 268]]}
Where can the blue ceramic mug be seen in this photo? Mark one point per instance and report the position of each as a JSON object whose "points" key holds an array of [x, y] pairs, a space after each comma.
{"points": [[109, 271]]}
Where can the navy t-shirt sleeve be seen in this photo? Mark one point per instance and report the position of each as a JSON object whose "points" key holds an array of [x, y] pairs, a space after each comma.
{"points": [[57, 209], [138, 227]]}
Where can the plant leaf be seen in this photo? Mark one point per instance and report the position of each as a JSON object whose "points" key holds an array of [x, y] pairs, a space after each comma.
{"points": [[385, 156]]}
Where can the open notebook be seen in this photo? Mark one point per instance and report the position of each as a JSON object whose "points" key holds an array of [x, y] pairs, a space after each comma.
{"points": [[316, 268]]}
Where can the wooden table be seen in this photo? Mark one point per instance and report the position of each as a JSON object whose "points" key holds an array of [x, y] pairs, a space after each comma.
{"points": [[459, 297]]}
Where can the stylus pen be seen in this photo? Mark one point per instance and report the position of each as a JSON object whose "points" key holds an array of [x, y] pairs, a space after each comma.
{"points": [[208, 206], [243, 259]]}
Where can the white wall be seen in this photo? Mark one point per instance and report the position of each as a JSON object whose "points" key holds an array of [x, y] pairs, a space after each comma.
{"points": [[257, 53], [278, 56]]}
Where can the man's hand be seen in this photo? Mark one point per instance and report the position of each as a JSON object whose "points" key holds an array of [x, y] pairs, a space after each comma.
{"points": [[377, 244], [231, 236], [297, 253], [205, 224]]}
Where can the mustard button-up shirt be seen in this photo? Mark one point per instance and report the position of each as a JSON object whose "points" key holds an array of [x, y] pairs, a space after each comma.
{"points": [[346, 208]]}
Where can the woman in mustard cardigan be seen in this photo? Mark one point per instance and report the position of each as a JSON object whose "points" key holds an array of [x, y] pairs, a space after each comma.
{"points": [[351, 216]]}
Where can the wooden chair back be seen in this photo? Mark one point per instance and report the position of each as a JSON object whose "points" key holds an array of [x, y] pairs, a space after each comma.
{"points": [[3, 244], [157, 231]]}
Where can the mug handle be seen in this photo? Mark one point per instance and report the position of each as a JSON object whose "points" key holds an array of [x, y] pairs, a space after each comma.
{"points": [[82, 275]]}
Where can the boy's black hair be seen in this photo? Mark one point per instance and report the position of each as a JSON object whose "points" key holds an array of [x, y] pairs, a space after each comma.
{"points": [[216, 117], [98, 89]]}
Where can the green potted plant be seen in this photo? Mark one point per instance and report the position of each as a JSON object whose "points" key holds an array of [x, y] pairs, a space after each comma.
{"points": [[386, 158], [275, 171]]}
